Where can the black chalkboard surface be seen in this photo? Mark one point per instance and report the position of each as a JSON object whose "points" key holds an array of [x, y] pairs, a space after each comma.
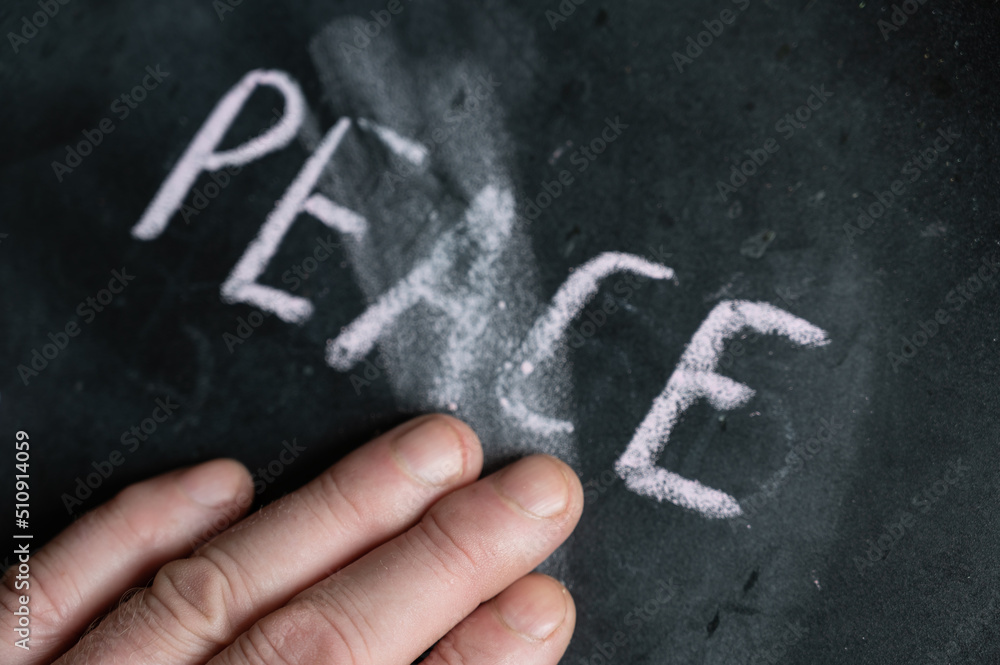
{"points": [[735, 261]]}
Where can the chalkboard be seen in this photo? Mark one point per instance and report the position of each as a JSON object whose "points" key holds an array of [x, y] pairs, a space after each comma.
{"points": [[735, 261]]}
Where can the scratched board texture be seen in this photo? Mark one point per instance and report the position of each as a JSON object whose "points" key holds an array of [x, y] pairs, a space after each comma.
{"points": [[497, 148]]}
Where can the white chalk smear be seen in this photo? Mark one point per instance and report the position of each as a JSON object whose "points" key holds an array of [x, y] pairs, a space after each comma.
{"points": [[695, 378], [241, 285], [413, 151], [201, 155], [464, 299], [487, 221], [546, 336]]}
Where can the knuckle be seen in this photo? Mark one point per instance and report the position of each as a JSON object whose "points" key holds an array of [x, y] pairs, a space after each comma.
{"points": [[48, 611], [453, 651], [196, 594], [305, 633], [333, 505], [262, 647], [131, 529], [440, 543]]}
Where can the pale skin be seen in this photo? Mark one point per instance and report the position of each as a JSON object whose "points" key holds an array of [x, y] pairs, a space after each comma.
{"points": [[393, 550]]}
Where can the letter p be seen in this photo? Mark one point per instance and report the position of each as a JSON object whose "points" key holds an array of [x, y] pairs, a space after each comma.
{"points": [[201, 154]]}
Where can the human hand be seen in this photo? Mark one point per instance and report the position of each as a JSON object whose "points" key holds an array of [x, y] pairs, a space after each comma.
{"points": [[392, 549]]}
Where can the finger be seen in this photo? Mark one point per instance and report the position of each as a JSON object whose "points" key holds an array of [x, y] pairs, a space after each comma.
{"points": [[197, 606], [529, 623], [398, 600], [119, 545]]}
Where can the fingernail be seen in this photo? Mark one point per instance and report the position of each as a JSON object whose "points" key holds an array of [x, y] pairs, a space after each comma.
{"points": [[536, 610], [537, 485], [432, 452], [212, 484]]}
